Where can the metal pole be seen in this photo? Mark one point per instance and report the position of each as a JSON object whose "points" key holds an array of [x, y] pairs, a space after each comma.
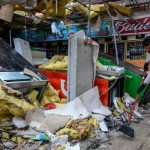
{"points": [[89, 35], [10, 38], [120, 39], [114, 34], [25, 27], [89, 19]]}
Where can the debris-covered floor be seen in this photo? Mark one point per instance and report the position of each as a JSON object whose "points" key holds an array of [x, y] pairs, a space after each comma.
{"points": [[112, 140], [82, 124], [118, 141]]}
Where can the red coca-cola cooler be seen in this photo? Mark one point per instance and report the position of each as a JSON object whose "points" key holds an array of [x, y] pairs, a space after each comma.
{"points": [[59, 81]]}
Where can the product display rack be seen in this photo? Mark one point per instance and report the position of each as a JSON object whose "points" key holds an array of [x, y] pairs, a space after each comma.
{"points": [[51, 47], [111, 49], [135, 50], [127, 50]]}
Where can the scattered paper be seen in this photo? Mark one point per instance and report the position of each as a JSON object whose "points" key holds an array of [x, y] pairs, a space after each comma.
{"points": [[99, 117], [59, 140], [115, 103], [128, 100], [19, 123], [34, 124], [103, 126], [75, 147], [75, 109], [50, 123], [90, 99], [92, 103], [103, 110], [137, 114], [82, 106]]}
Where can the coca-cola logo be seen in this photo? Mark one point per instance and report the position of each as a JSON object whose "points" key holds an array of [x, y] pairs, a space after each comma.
{"points": [[131, 26]]}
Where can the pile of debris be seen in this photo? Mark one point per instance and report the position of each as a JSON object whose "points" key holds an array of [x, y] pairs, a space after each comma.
{"points": [[84, 123]]}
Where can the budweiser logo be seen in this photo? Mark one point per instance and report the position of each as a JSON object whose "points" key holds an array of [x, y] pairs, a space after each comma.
{"points": [[132, 26]]}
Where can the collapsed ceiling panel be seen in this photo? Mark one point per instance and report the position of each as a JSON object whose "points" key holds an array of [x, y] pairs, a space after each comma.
{"points": [[6, 12]]}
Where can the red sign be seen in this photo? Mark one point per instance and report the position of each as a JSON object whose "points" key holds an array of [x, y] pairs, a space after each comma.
{"points": [[131, 26]]}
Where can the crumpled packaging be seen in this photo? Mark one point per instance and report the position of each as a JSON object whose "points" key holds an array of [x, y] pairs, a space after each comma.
{"points": [[57, 62], [11, 106]]}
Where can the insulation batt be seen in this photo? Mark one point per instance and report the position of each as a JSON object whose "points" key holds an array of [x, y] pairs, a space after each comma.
{"points": [[11, 106], [57, 62]]}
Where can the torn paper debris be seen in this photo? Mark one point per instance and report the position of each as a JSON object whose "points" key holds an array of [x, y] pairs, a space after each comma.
{"points": [[103, 126], [99, 117], [51, 123], [82, 106], [90, 99], [92, 103], [75, 109], [19, 123], [103, 110]]}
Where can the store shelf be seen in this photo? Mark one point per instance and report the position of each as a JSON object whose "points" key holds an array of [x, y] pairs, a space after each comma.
{"points": [[135, 50], [120, 47], [50, 41], [127, 50], [51, 48]]}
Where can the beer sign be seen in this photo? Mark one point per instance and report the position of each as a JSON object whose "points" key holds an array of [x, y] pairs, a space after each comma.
{"points": [[142, 25]]}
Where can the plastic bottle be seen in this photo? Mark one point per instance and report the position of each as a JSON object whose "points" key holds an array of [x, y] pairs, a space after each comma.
{"points": [[40, 137]]}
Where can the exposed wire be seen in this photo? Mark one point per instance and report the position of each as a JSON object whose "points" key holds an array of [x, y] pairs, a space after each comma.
{"points": [[109, 87]]}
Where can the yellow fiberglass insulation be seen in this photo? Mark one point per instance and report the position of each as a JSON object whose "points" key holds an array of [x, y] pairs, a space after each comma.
{"points": [[56, 10], [57, 62], [96, 9], [50, 96], [79, 129], [77, 7], [11, 105], [33, 96], [124, 10]]}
